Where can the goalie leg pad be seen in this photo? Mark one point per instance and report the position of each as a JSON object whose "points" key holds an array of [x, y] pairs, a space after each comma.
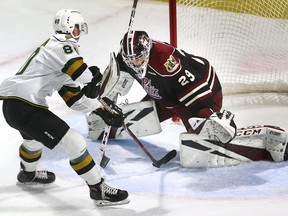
{"points": [[252, 143], [142, 119], [198, 152], [276, 142]]}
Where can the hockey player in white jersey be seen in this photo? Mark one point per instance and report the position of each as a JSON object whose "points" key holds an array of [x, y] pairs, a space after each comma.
{"points": [[56, 65]]}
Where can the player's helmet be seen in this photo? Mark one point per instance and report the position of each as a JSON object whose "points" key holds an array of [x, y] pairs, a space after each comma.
{"points": [[135, 45], [65, 21]]}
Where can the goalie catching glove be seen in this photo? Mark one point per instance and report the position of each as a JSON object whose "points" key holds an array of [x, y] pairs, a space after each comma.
{"points": [[110, 113]]}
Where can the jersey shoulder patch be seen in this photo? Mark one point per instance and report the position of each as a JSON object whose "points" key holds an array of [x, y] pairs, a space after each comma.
{"points": [[171, 64]]}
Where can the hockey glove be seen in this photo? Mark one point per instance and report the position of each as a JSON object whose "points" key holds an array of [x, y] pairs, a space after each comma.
{"points": [[110, 113], [91, 90]]}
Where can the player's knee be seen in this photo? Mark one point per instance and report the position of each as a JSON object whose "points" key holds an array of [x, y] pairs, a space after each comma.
{"points": [[73, 144], [32, 145]]}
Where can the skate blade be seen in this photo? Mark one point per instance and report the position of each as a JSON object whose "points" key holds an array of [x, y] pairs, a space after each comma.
{"points": [[103, 203], [35, 186]]}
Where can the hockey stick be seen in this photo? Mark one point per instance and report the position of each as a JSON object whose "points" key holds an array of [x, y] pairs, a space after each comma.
{"points": [[132, 16], [157, 163], [169, 155], [104, 160]]}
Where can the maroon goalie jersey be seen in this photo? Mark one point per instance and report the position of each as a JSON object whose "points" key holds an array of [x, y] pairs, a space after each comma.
{"points": [[174, 77]]}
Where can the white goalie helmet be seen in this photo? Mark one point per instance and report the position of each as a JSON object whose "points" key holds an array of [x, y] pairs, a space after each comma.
{"points": [[65, 21]]}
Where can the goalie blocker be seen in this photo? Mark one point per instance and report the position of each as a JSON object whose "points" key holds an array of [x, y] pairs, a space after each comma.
{"points": [[113, 82], [252, 143]]}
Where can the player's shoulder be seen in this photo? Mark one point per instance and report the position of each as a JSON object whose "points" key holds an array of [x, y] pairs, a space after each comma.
{"points": [[62, 39], [162, 48], [163, 60], [59, 43]]}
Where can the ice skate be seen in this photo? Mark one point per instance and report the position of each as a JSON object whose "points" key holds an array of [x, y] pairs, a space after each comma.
{"points": [[42, 177], [105, 195]]}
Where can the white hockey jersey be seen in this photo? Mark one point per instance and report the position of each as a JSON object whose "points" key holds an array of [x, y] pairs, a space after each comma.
{"points": [[54, 66]]}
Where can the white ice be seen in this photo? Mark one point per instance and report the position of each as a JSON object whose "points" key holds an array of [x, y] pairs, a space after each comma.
{"points": [[259, 188]]}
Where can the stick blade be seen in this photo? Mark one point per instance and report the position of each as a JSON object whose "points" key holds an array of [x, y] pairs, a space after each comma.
{"points": [[169, 156], [104, 161]]}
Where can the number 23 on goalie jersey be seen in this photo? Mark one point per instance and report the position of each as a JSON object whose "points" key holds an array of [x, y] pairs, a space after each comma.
{"points": [[175, 77]]}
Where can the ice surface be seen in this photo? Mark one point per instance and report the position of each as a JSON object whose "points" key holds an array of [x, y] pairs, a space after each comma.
{"points": [[249, 189]]}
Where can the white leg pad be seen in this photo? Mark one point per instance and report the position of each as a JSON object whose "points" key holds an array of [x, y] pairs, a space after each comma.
{"points": [[96, 126], [142, 119], [197, 152], [275, 142], [250, 144]]}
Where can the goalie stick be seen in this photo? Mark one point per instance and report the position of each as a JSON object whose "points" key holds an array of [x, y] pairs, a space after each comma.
{"points": [[157, 163], [132, 16], [104, 160]]}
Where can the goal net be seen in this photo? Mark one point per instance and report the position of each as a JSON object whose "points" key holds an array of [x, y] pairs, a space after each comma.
{"points": [[245, 40]]}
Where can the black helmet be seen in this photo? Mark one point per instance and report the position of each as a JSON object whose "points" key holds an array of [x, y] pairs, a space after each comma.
{"points": [[135, 45]]}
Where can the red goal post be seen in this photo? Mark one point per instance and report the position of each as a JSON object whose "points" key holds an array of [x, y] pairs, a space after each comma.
{"points": [[173, 22], [245, 41]]}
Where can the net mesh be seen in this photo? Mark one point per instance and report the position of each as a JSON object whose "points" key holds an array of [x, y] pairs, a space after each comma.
{"points": [[245, 41]]}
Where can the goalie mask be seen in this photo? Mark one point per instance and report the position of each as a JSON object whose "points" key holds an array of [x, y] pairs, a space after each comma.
{"points": [[135, 49], [65, 21]]}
